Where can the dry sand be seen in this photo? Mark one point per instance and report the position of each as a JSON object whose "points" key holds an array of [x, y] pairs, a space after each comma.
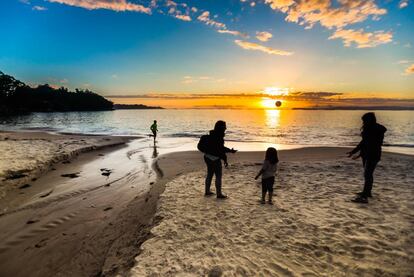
{"points": [[312, 230]]}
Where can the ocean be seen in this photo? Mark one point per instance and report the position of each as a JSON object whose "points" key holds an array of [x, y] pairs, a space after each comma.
{"points": [[247, 129]]}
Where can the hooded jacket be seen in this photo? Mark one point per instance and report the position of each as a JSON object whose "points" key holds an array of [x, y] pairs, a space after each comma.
{"points": [[216, 145], [370, 145]]}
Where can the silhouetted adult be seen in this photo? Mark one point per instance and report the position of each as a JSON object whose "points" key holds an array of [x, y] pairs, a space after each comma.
{"points": [[369, 149], [212, 146]]}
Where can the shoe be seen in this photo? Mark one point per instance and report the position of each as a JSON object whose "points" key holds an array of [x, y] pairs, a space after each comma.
{"points": [[270, 202], [360, 199], [361, 194], [221, 196], [262, 202], [210, 193]]}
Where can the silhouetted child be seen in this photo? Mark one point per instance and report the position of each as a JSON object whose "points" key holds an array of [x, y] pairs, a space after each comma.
{"points": [[268, 172]]}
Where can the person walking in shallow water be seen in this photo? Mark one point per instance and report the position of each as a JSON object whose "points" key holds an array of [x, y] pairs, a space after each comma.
{"points": [[370, 151], [212, 145], [154, 129]]}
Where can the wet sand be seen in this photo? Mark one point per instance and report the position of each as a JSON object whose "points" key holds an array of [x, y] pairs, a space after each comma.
{"points": [[86, 217]]}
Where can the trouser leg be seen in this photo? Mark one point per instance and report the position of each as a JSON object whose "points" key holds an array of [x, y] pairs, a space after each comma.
{"points": [[369, 167], [210, 173], [264, 190], [218, 173]]}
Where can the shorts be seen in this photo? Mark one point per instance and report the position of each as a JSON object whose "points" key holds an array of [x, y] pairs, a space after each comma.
{"points": [[267, 184]]}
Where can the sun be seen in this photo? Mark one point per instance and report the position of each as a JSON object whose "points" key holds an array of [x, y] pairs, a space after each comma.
{"points": [[269, 103]]}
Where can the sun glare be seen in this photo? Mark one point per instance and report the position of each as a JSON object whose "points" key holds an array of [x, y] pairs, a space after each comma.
{"points": [[269, 103]]}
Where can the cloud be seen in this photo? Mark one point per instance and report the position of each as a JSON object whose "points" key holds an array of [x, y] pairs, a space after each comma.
{"points": [[409, 70], [234, 33], [194, 79], [183, 17], [115, 5], [324, 12], [205, 17], [362, 39], [254, 46], [403, 4], [39, 8], [263, 36], [335, 15], [174, 10]]}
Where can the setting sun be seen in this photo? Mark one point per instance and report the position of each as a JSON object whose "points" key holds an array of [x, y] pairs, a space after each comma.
{"points": [[268, 103]]}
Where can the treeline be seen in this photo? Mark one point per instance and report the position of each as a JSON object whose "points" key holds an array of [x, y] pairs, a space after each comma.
{"points": [[135, 107], [18, 98]]}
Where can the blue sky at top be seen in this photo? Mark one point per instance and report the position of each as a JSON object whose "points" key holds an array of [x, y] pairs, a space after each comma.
{"points": [[77, 43]]}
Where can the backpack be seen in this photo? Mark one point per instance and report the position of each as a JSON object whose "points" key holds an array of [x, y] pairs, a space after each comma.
{"points": [[203, 143]]}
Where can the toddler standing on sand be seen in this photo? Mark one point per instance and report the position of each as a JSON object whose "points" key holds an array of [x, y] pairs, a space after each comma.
{"points": [[268, 172]]}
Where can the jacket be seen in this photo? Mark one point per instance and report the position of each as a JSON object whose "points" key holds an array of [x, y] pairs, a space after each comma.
{"points": [[370, 145]]}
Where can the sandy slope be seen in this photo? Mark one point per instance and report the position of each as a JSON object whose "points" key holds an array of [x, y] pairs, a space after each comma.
{"points": [[312, 230]]}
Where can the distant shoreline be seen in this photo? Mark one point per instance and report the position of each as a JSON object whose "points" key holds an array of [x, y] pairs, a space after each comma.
{"points": [[135, 107], [359, 108]]}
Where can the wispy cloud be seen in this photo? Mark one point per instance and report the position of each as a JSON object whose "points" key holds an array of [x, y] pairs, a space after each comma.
{"points": [[362, 39], [326, 13], [335, 16], [39, 8], [234, 33], [205, 17], [403, 4], [194, 79], [263, 36], [115, 5], [258, 47], [409, 70]]}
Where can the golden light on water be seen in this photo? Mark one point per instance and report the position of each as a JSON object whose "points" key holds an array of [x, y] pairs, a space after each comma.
{"points": [[272, 118]]}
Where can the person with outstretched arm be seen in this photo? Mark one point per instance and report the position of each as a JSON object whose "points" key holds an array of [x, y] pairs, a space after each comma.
{"points": [[212, 145], [369, 150]]}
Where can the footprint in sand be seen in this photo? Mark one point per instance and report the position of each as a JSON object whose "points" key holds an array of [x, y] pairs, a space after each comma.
{"points": [[106, 172], [25, 186], [71, 175]]}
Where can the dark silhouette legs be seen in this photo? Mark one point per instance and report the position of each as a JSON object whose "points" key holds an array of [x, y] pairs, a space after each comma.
{"points": [[267, 187], [369, 168], [213, 168]]}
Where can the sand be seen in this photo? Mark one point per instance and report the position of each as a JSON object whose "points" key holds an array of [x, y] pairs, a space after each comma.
{"points": [[87, 217], [28, 155], [312, 230], [74, 221]]}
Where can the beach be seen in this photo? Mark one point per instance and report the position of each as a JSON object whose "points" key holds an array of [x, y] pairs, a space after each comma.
{"points": [[148, 216], [312, 230]]}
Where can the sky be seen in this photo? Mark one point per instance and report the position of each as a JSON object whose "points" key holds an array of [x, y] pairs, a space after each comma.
{"points": [[193, 49]]}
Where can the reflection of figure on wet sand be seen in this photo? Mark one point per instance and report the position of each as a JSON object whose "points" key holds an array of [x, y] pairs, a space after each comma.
{"points": [[369, 150], [154, 152]]}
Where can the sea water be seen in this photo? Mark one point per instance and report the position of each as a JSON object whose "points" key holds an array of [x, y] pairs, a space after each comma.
{"points": [[248, 129]]}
